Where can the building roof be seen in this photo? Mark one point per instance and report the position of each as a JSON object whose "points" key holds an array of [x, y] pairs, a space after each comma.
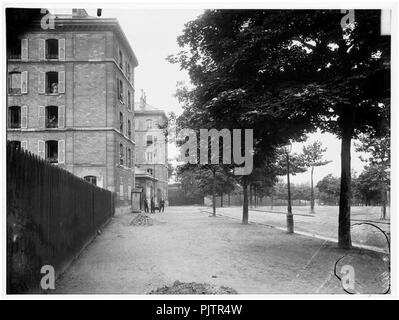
{"points": [[143, 108], [80, 20]]}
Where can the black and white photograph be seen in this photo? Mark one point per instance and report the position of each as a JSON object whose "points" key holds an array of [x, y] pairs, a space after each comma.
{"points": [[199, 149]]}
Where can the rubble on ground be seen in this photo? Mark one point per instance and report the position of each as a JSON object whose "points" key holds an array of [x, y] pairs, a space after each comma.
{"points": [[193, 288], [141, 219]]}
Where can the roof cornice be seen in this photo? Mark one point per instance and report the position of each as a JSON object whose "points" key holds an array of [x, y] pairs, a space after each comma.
{"points": [[89, 24]]}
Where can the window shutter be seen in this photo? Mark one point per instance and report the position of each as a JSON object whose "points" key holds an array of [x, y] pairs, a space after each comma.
{"points": [[100, 181], [24, 117], [61, 151], [42, 116], [42, 82], [40, 148], [24, 82], [61, 117], [61, 49], [42, 49], [24, 49], [129, 192], [61, 82], [24, 145]]}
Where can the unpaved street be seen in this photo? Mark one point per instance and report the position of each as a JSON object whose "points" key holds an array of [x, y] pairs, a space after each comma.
{"points": [[186, 244]]}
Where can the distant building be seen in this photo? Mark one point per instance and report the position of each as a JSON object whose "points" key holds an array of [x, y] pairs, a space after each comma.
{"points": [[71, 99], [151, 151]]}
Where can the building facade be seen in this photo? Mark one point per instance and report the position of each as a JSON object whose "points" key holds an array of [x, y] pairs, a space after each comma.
{"points": [[70, 99], [151, 151]]}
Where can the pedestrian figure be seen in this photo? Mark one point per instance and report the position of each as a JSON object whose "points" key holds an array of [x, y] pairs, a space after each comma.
{"points": [[162, 205], [145, 205], [152, 205]]}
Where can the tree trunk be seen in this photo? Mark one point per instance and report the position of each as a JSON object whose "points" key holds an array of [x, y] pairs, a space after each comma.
{"points": [[221, 200], [290, 217], [245, 201], [250, 196], [344, 224], [214, 193], [311, 191], [228, 199], [384, 205]]}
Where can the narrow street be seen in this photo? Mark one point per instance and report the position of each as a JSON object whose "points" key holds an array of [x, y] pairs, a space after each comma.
{"points": [[187, 245]]}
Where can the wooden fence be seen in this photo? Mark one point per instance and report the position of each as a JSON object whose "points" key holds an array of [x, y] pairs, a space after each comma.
{"points": [[51, 216]]}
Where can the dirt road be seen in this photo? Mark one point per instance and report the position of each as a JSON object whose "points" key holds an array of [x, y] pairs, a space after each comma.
{"points": [[186, 244]]}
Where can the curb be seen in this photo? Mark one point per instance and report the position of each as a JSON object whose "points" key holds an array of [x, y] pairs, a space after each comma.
{"points": [[311, 235]]}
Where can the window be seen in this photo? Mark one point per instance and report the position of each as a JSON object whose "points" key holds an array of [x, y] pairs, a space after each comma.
{"points": [[14, 117], [128, 71], [129, 100], [52, 151], [52, 49], [16, 50], [149, 124], [121, 154], [120, 90], [14, 82], [149, 157], [149, 171], [120, 59], [52, 82], [91, 179], [15, 144], [121, 122], [51, 117], [129, 129], [149, 140], [129, 158]]}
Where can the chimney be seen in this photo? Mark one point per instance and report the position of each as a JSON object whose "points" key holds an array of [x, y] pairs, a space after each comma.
{"points": [[143, 99], [79, 13]]}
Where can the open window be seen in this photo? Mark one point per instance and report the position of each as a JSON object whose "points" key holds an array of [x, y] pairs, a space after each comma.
{"points": [[16, 50], [52, 82], [52, 151], [14, 117], [129, 129], [14, 82], [149, 140], [91, 179], [121, 122], [120, 90], [120, 59], [52, 117], [121, 154], [52, 49], [129, 100], [129, 158]]}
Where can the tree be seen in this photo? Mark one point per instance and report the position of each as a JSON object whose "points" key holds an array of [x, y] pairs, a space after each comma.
{"points": [[286, 72], [313, 157], [329, 188], [202, 180], [375, 177]]}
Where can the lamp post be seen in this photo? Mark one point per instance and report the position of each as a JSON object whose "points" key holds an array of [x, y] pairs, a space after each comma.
{"points": [[290, 217]]}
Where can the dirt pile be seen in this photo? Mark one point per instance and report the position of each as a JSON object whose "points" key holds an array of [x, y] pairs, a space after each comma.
{"points": [[193, 288], [141, 220]]}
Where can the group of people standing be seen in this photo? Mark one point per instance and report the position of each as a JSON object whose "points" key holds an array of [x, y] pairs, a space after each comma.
{"points": [[161, 205]]}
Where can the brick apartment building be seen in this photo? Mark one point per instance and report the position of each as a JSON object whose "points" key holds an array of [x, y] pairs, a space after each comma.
{"points": [[151, 151], [71, 99]]}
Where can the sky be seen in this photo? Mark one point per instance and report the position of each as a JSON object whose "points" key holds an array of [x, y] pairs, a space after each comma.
{"points": [[152, 35]]}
